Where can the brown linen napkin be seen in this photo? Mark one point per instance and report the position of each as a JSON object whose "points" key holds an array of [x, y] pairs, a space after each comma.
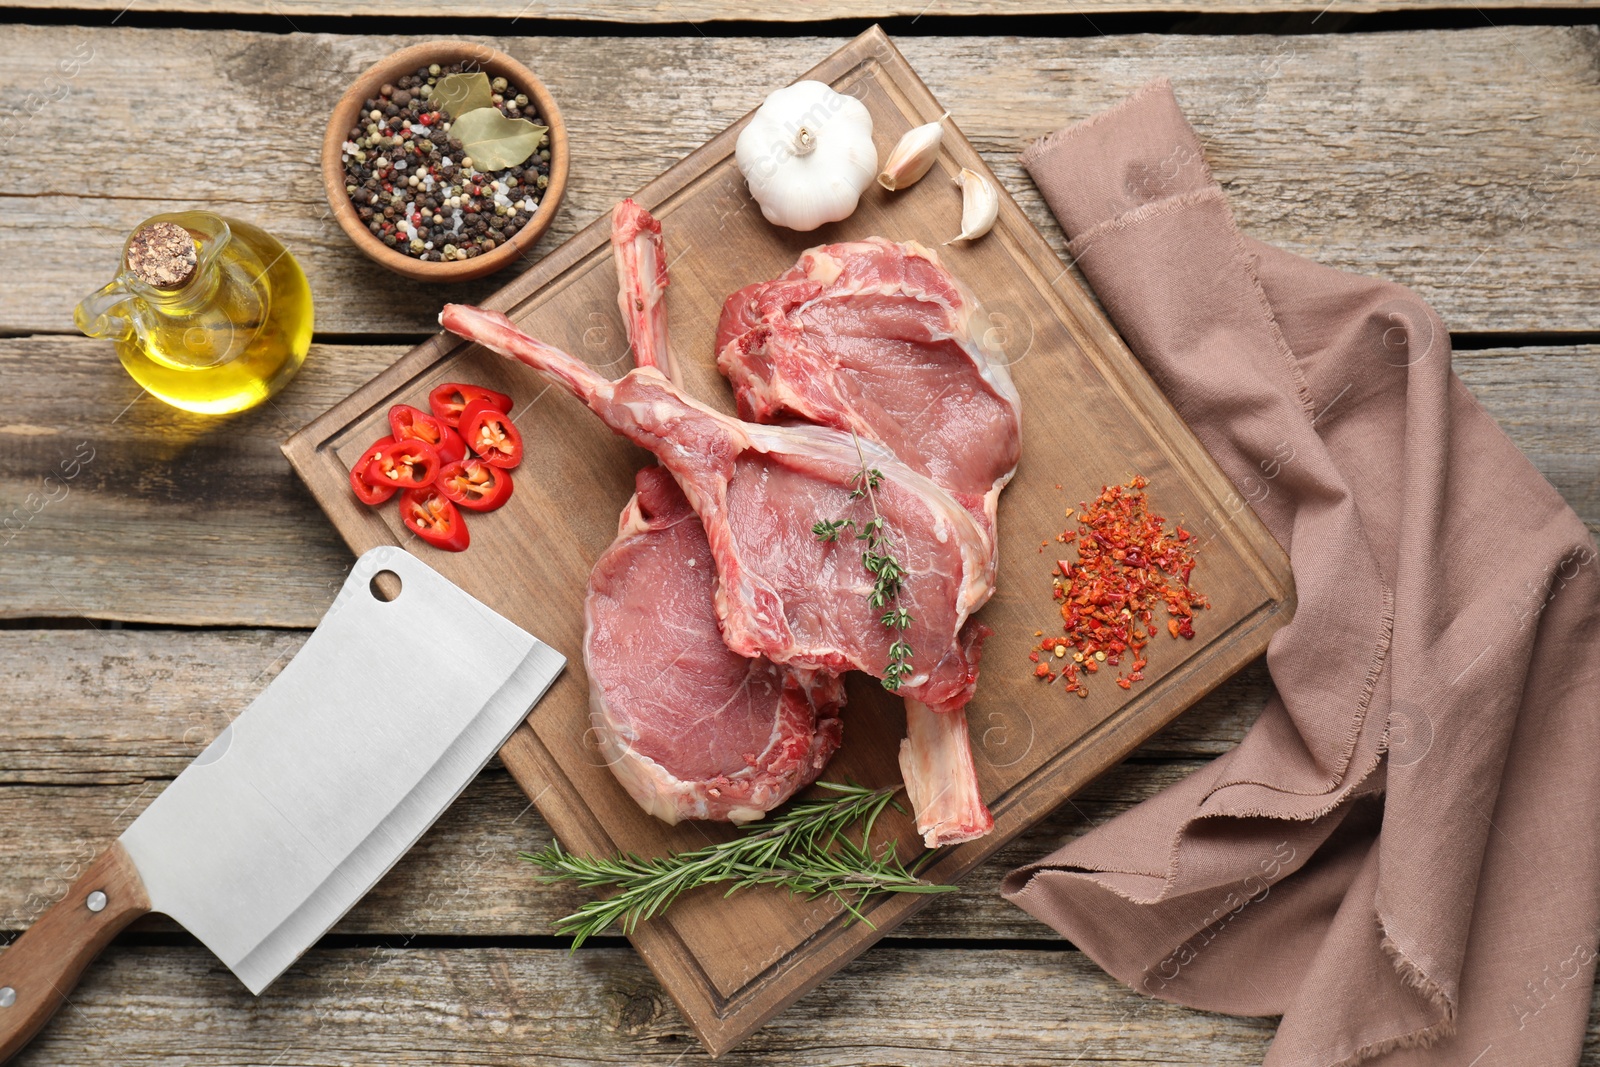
{"points": [[1400, 857]]}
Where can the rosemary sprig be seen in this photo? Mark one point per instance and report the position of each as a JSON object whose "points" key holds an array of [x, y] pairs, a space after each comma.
{"points": [[807, 850], [878, 557]]}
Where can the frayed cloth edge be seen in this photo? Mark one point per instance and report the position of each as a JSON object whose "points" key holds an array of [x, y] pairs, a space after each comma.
{"points": [[1055, 139], [1416, 979], [1380, 654], [1348, 777]]}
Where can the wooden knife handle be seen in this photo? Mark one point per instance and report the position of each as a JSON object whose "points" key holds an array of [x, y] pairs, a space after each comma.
{"points": [[43, 965]]}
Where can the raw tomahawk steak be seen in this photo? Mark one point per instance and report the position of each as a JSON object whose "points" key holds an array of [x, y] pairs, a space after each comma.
{"points": [[692, 730], [781, 592], [875, 338]]}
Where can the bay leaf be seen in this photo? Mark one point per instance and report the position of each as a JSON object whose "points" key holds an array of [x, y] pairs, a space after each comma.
{"points": [[496, 142], [457, 94]]}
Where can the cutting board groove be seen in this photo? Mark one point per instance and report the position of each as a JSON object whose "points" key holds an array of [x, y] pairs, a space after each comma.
{"points": [[1091, 416]]}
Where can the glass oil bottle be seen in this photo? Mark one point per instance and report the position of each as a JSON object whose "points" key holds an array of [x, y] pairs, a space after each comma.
{"points": [[210, 314]]}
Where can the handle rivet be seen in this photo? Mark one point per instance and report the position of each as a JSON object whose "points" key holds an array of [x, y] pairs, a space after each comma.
{"points": [[96, 901], [8, 997]]}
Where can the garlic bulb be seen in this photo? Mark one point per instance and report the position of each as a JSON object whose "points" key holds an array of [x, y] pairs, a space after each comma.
{"points": [[807, 154], [914, 155], [980, 205]]}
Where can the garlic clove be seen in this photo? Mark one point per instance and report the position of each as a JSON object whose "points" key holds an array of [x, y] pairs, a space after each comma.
{"points": [[914, 155], [980, 205]]}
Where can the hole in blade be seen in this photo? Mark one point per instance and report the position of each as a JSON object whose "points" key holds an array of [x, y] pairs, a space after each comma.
{"points": [[385, 585], [216, 749]]}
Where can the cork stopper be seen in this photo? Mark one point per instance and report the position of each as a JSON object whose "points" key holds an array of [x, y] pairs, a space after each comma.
{"points": [[162, 255]]}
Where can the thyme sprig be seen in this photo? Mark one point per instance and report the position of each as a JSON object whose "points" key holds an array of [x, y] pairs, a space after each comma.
{"points": [[878, 557], [807, 850]]}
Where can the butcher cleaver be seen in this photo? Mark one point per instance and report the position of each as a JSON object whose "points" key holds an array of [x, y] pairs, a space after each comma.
{"points": [[310, 796]]}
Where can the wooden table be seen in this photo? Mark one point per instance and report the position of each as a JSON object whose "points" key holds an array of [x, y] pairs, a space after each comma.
{"points": [[150, 598]]}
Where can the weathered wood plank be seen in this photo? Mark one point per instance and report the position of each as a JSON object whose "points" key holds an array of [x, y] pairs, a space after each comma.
{"points": [[1553, 418], [177, 519], [911, 1006], [113, 506], [129, 709], [1347, 147], [143, 1006], [696, 11]]}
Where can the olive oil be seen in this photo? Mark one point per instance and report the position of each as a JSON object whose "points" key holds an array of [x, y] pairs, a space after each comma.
{"points": [[210, 314]]}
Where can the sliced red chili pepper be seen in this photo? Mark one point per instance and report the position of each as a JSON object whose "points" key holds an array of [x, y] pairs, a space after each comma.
{"points": [[431, 517], [409, 422], [366, 491], [409, 464], [489, 433], [451, 398], [473, 484]]}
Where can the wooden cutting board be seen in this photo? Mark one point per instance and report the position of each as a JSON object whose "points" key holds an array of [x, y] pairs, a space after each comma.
{"points": [[1090, 417]]}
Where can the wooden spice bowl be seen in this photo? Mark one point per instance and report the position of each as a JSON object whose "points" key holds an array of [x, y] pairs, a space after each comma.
{"points": [[407, 61]]}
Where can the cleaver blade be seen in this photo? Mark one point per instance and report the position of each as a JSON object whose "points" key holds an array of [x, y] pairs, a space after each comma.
{"points": [[310, 796]]}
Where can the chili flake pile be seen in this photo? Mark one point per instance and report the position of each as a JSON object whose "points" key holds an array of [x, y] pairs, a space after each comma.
{"points": [[1128, 564]]}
